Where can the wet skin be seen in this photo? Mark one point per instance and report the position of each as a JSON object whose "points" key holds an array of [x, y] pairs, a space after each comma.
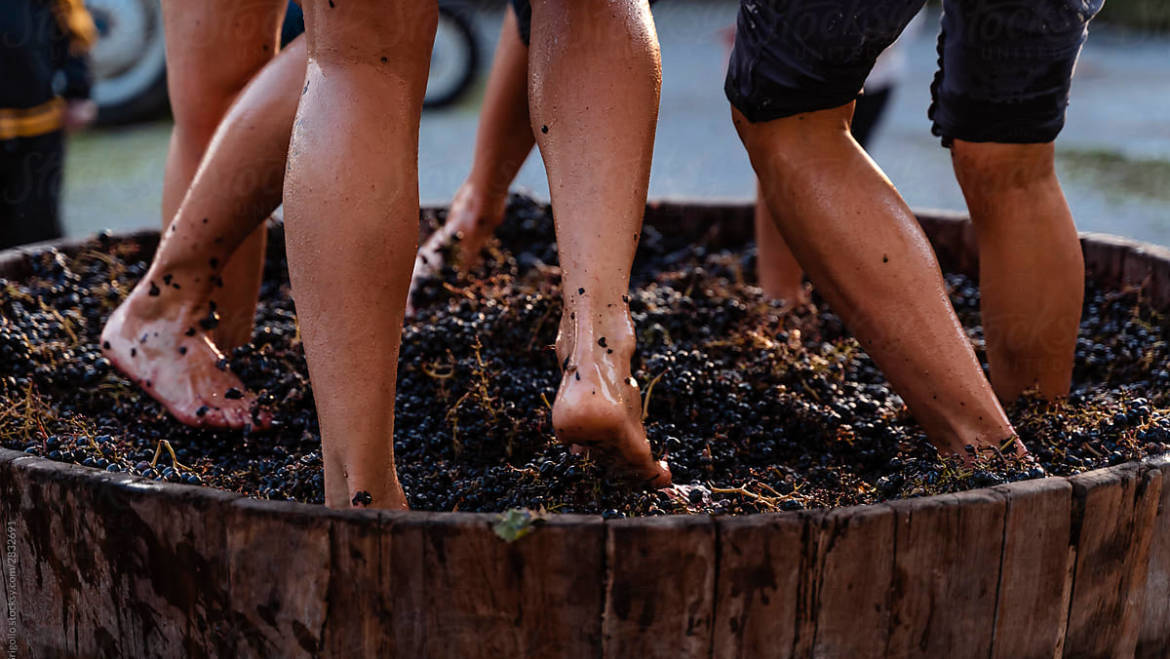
{"points": [[166, 350], [781, 277], [598, 409], [351, 218], [1031, 268], [214, 48], [594, 81], [215, 219], [503, 141], [868, 257], [597, 406], [254, 132]]}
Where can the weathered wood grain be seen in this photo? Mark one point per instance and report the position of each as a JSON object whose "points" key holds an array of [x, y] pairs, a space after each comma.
{"points": [[409, 579], [854, 571], [1036, 571], [947, 555], [359, 600], [170, 553], [760, 563], [86, 539], [660, 594], [719, 223], [111, 565], [279, 557], [10, 560], [1148, 266], [1115, 509], [1151, 264], [1154, 635], [69, 561], [541, 595], [1105, 257]]}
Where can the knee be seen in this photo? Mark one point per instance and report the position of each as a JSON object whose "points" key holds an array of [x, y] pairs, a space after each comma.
{"points": [[617, 23], [200, 98], [790, 141], [992, 165], [379, 33], [196, 121]]}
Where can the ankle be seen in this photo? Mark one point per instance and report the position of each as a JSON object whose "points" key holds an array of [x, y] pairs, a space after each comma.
{"points": [[159, 295], [590, 335], [984, 430]]}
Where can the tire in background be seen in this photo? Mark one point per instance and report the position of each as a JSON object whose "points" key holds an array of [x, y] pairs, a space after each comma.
{"points": [[455, 58], [129, 60]]}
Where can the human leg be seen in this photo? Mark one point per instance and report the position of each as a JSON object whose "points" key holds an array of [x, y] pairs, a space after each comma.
{"points": [[867, 256], [502, 143], [351, 215], [781, 277], [178, 304], [595, 77], [214, 47], [1031, 270], [999, 102], [792, 95]]}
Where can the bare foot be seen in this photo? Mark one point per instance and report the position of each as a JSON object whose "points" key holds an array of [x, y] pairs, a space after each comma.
{"points": [[471, 220], [164, 346], [987, 449], [599, 408]]}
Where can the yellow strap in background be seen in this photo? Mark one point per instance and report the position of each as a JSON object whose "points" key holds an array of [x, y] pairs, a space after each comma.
{"points": [[34, 121], [77, 24]]}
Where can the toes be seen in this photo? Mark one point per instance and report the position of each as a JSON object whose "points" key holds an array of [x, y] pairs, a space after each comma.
{"points": [[212, 417], [640, 471], [240, 416], [184, 416], [660, 479], [652, 476], [216, 415]]}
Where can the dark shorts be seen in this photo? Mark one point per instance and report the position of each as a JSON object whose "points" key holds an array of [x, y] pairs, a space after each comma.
{"points": [[1005, 66], [523, 10]]}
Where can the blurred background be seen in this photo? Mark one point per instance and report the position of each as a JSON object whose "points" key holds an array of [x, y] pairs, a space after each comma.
{"points": [[1113, 156]]}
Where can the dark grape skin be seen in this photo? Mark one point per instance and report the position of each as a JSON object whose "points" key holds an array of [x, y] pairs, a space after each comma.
{"points": [[754, 409]]}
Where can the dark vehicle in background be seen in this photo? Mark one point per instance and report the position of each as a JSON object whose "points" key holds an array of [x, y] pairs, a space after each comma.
{"points": [[129, 59]]}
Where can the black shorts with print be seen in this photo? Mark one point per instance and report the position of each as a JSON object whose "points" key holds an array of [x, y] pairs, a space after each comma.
{"points": [[1005, 66]]}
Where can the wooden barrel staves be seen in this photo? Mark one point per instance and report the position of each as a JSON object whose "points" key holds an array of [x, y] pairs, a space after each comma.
{"points": [[101, 564]]}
